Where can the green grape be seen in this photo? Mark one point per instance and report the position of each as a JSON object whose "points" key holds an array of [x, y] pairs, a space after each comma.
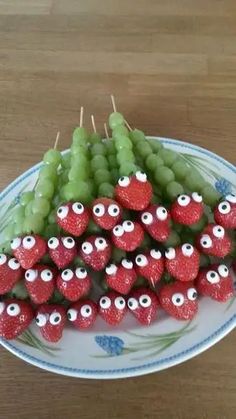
{"points": [[28, 209], [79, 262], [173, 239], [99, 162], [127, 168], [52, 230], [156, 145], [49, 171], [136, 135], [110, 146], [140, 282], [80, 136], [123, 142], [116, 119], [177, 227], [199, 226], [52, 156], [99, 148], [146, 243], [144, 149], [56, 202], [64, 177], [194, 181], [6, 247], [95, 138], [78, 149], [18, 214], [205, 261], [106, 189], [79, 159], [210, 195], [118, 254], [78, 173], [9, 232], [156, 199], [187, 237], [115, 174], [168, 156], [52, 217], [26, 197], [174, 189], [120, 130], [57, 298], [93, 228], [101, 176], [34, 224], [163, 175], [74, 191], [44, 189], [180, 170], [19, 291], [152, 161], [125, 155], [112, 160], [41, 206], [65, 162]]}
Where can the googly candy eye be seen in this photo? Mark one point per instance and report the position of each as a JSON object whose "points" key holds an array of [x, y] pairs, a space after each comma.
{"points": [[197, 197], [124, 181], [183, 200], [3, 259], [78, 208], [155, 254], [111, 269], [2, 307], [67, 275], [28, 242], [113, 210], [170, 253], [192, 294], [141, 260], [161, 213], [177, 299], [13, 264], [55, 318], [132, 303], [206, 241], [231, 198], [100, 243], [141, 176], [99, 210], [68, 242], [105, 302], [224, 207], [31, 275], [62, 212], [72, 314], [147, 218], [46, 275], [15, 243], [127, 264], [53, 243], [223, 271], [87, 248], [128, 226], [13, 309], [218, 232], [145, 300], [41, 320], [86, 311], [81, 273], [187, 249], [119, 303], [213, 277], [118, 231]]}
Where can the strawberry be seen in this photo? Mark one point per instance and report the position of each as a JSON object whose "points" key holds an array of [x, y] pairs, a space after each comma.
{"points": [[51, 319], [62, 250], [187, 210], [128, 235], [73, 218], [225, 212], [150, 265], [143, 303], [15, 317], [74, 284], [183, 262], [156, 221], [215, 282], [82, 314], [106, 213], [28, 250], [96, 252], [10, 273], [179, 300], [134, 192], [40, 283], [214, 241], [112, 308], [121, 278]]}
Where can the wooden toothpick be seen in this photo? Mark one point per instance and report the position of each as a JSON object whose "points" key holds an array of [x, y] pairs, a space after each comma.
{"points": [[128, 126], [57, 140], [93, 124], [113, 103], [106, 131], [81, 116]]}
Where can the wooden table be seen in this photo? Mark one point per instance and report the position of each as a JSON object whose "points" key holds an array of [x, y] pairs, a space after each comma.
{"points": [[171, 65]]}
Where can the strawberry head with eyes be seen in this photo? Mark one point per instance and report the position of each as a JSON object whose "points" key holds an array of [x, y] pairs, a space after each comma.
{"points": [[40, 283], [179, 300], [214, 241], [156, 221], [112, 308], [28, 250], [150, 265], [128, 235], [62, 250], [215, 282], [182, 262], [121, 277], [51, 319], [74, 284], [15, 318], [187, 209], [73, 218], [82, 314], [106, 213], [134, 192], [10, 273], [96, 252], [225, 212], [143, 304]]}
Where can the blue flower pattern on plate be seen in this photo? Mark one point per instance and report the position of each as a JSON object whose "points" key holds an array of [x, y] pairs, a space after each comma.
{"points": [[223, 186], [112, 345]]}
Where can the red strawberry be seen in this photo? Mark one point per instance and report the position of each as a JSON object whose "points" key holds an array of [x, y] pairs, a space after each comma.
{"points": [[28, 250], [150, 265], [40, 283], [112, 307], [82, 314], [96, 252], [73, 218], [187, 210], [62, 250], [51, 319], [143, 303], [128, 235], [10, 273], [225, 212], [179, 300], [15, 317], [122, 277], [74, 284], [214, 241], [134, 192], [183, 262], [215, 282], [156, 221], [106, 213]]}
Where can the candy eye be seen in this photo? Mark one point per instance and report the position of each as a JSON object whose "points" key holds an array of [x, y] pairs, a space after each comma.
{"points": [[111, 269], [161, 213], [13, 264], [177, 299], [223, 271], [62, 212], [100, 243], [206, 241], [147, 218], [81, 273], [183, 200], [132, 304], [86, 311], [15, 243], [41, 319], [78, 208], [13, 310], [170, 253], [118, 231], [3, 259], [128, 226], [218, 232], [68, 242], [141, 260], [127, 264], [124, 181], [53, 243], [224, 207], [46, 275], [119, 303], [192, 294], [105, 302], [67, 275], [31, 275], [113, 210], [213, 277], [72, 314], [55, 318], [145, 301], [28, 242], [99, 210], [187, 249], [155, 254], [87, 248], [231, 198], [2, 306], [197, 197], [141, 176]]}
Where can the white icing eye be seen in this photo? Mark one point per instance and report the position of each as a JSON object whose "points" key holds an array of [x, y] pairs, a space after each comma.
{"points": [[46, 275], [218, 232], [127, 264], [187, 249], [231, 198], [53, 243], [224, 207], [124, 181], [192, 294], [161, 213], [213, 277], [113, 210], [141, 260], [145, 301], [206, 241], [15, 243], [147, 218], [119, 303], [223, 271], [78, 208], [105, 302], [31, 275], [72, 314], [141, 176], [87, 248], [99, 210], [111, 269], [68, 242], [41, 319], [132, 304], [13, 310], [86, 311], [3, 259], [170, 253], [81, 273], [183, 200], [118, 231], [177, 299], [62, 212], [155, 254], [28, 242], [2, 306], [13, 264], [197, 197], [100, 243], [67, 274], [55, 318], [128, 226]]}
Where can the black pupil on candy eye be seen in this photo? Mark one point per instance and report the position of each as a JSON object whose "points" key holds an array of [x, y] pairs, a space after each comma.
{"points": [[66, 272], [103, 301], [145, 217], [139, 260], [204, 242], [29, 239], [60, 210], [177, 300], [37, 320], [130, 304], [82, 270], [121, 302], [128, 223], [51, 241], [101, 241], [122, 178], [183, 198], [224, 207], [194, 294], [188, 247], [27, 275], [12, 308], [87, 310], [97, 210], [70, 240], [57, 319], [219, 230], [213, 275], [48, 273], [69, 316], [115, 210], [145, 300], [79, 206]]}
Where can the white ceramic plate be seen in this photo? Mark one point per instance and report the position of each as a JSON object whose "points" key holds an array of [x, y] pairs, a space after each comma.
{"points": [[130, 350]]}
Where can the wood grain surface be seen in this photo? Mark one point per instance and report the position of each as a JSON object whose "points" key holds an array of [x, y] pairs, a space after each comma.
{"points": [[172, 67]]}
